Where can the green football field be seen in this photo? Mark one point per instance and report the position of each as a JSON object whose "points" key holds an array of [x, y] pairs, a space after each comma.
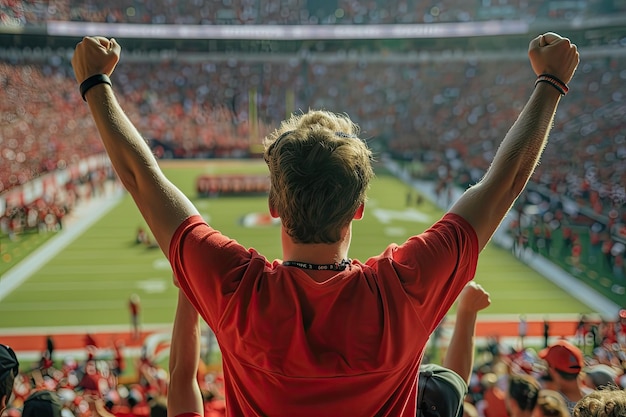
{"points": [[90, 281]]}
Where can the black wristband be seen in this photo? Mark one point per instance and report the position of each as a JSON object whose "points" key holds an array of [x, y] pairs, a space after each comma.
{"points": [[92, 82]]}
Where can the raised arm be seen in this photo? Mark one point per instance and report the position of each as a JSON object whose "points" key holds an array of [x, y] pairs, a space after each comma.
{"points": [[162, 205], [184, 396], [460, 354], [485, 204]]}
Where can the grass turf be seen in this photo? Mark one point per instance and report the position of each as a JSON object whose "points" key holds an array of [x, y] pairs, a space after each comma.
{"points": [[90, 281]]}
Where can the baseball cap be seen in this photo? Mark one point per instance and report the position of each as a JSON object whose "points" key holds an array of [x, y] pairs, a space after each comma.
{"points": [[440, 392], [563, 356], [42, 404], [601, 375], [9, 366]]}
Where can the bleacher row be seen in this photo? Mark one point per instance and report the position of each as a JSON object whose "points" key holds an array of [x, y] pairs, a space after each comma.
{"points": [[31, 12], [449, 114]]}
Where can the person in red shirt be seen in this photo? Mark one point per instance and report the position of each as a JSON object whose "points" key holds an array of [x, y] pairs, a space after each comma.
{"points": [[134, 307], [319, 333]]}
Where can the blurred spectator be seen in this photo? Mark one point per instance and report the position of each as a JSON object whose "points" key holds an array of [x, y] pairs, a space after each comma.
{"points": [[493, 403], [602, 403], [600, 376], [43, 404], [521, 395], [9, 368], [565, 362], [550, 404], [50, 348], [440, 392], [134, 307]]}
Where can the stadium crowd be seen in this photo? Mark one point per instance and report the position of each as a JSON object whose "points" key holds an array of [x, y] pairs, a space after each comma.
{"points": [[199, 12], [442, 113], [190, 117], [104, 384]]}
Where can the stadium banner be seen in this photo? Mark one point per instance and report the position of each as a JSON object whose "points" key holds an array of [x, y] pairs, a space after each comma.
{"points": [[289, 32]]}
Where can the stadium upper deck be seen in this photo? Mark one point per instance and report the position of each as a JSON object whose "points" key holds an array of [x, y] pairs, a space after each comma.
{"points": [[297, 12]]}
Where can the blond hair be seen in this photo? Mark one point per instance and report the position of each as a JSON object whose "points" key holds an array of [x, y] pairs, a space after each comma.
{"points": [[319, 173], [608, 402], [551, 404]]}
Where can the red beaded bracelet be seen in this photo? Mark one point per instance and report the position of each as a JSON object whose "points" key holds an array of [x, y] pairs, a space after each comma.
{"points": [[554, 82]]}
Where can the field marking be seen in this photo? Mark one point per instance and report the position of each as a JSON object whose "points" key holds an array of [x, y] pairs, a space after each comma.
{"points": [[385, 216], [574, 287], [80, 305], [83, 217], [80, 330]]}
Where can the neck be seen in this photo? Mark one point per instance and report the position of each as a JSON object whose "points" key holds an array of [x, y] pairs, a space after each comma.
{"points": [[571, 391], [316, 253]]}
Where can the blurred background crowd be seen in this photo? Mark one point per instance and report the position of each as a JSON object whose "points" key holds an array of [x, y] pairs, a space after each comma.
{"points": [[296, 12], [437, 110]]}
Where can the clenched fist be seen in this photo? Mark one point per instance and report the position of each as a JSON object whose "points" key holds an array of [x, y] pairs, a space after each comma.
{"points": [[553, 54], [95, 55]]}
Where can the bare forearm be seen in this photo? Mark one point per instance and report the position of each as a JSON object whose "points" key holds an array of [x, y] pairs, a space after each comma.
{"points": [[460, 354], [184, 392], [522, 146], [485, 204], [129, 153], [162, 205]]}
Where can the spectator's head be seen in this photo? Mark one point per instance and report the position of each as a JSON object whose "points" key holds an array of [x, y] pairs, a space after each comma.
{"points": [[9, 367], [564, 360], [469, 410], [441, 392], [42, 404], [599, 376], [602, 403], [521, 395], [320, 172], [158, 407], [550, 404]]}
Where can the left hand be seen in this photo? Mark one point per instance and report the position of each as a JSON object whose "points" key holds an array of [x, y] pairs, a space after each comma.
{"points": [[473, 298]]}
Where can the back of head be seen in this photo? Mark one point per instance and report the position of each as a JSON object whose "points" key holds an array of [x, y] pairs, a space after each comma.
{"points": [[158, 407], [565, 358], [600, 375], [9, 368], [524, 390], [441, 392], [319, 173], [550, 403], [42, 404], [608, 402]]}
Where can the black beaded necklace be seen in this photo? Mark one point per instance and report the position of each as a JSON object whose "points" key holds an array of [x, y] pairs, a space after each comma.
{"points": [[337, 266]]}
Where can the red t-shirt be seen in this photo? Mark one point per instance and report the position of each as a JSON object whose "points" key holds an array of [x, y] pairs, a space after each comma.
{"points": [[349, 345]]}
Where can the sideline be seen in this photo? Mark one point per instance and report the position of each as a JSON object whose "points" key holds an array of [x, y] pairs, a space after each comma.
{"points": [[80, 219], [574, 287]]}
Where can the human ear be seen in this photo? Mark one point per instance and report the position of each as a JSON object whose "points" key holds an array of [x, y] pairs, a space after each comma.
{"points": [[273, 211], [358, 215]]}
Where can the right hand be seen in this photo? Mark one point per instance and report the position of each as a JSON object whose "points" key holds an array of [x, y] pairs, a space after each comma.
{"points": [[473, 298], [95, 55], [552, 54]]}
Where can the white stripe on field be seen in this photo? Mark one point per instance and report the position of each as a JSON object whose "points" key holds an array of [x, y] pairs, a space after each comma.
{"points": [[86, 214], [80, 330]]}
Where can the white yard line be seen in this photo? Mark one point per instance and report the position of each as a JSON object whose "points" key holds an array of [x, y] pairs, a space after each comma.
{"points": [[83, 217], [80, 330]]}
